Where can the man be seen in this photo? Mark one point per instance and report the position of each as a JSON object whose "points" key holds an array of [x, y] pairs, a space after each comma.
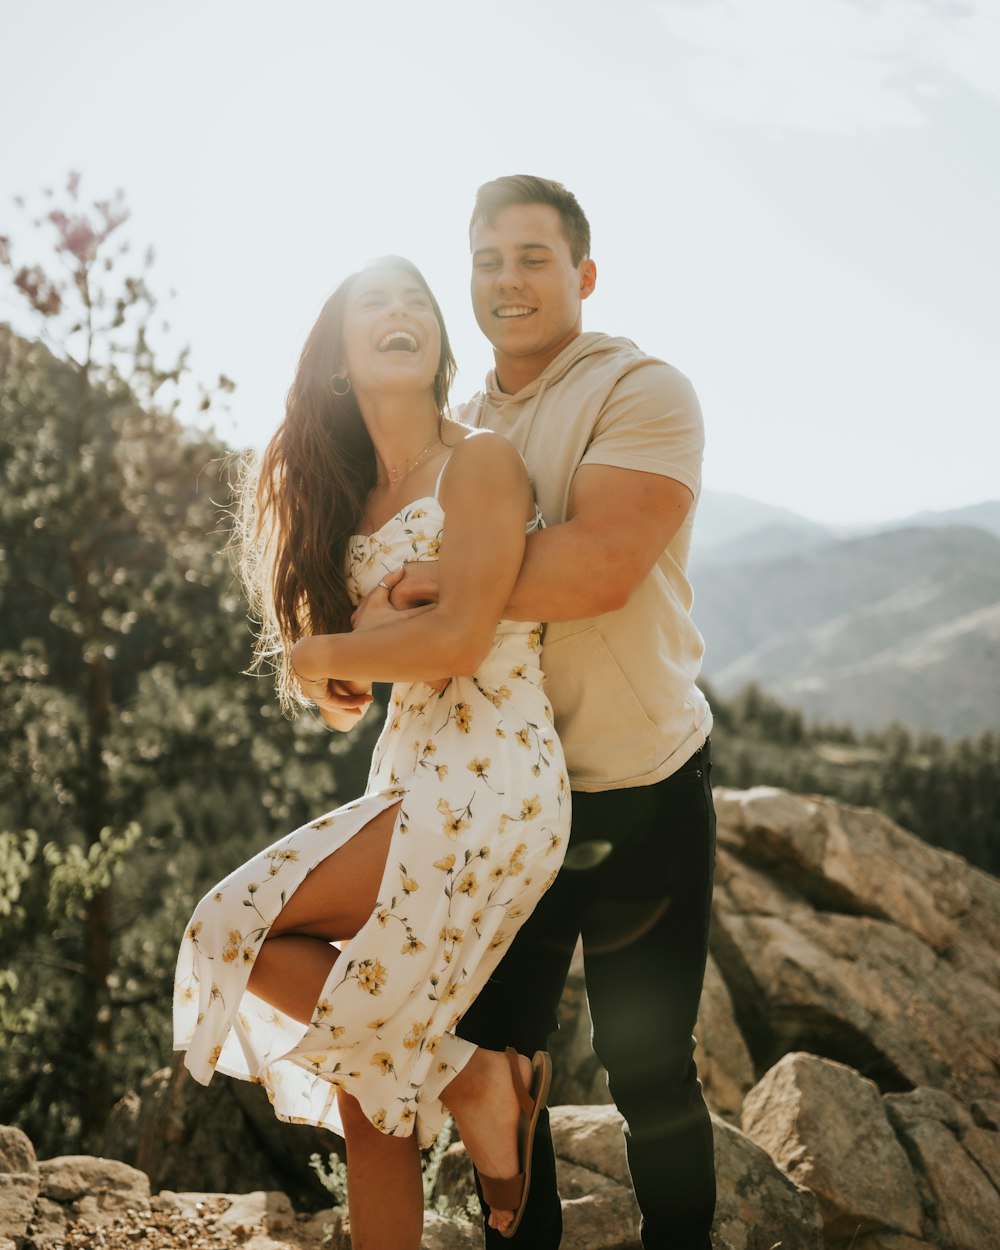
{"points": [[613, 442]]}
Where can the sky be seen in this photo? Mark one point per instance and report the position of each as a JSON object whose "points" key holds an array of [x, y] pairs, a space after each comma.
{"points": [[796, 203]]}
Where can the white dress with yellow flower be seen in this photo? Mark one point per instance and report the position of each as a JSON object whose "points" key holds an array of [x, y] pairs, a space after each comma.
{"points": [[480, 835]]}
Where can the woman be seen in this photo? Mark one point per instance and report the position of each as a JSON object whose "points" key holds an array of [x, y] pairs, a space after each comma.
{"points": [[425, 879]]}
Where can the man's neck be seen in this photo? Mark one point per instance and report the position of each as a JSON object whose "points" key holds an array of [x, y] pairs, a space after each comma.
{"points": [[514, 373]]}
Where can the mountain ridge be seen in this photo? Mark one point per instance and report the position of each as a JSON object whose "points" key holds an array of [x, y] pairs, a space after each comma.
{"points": [[901, 625]]}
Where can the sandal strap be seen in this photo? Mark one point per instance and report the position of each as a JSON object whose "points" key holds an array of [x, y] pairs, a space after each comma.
{"points": [[502, 1193], [525, 1101]]}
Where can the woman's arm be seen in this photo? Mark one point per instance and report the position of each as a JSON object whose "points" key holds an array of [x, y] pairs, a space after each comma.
{"points": [[487, 502]]}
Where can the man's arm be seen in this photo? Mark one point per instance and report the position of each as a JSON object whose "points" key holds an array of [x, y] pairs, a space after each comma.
{"points": [[619, 522]]}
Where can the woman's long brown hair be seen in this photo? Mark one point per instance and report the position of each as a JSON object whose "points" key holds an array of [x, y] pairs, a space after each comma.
{"points": [[301, 504]]}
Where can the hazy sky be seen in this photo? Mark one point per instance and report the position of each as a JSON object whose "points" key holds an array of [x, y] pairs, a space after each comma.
{"points": [[794, 201]]}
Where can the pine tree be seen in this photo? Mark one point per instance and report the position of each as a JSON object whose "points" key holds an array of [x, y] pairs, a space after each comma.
{"points": [[140, 764]]}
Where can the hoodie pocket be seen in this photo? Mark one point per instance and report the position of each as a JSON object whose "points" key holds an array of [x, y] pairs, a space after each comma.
{"points": [[605, 732]]}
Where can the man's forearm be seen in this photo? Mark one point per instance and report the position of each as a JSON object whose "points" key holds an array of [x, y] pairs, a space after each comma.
{"points": [[567, 576]]}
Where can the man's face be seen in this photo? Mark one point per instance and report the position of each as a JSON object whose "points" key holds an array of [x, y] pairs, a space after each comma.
{"points": [[526, 291]]}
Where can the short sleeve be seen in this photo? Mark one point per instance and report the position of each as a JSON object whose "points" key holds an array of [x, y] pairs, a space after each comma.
{"points": [[651, 421]]}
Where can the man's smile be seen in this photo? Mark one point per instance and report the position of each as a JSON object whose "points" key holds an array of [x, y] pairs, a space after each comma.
{"points": [[513, 310]]}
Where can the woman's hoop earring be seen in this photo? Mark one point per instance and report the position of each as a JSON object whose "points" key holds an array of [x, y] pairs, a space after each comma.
{"points": [[340, 384]]}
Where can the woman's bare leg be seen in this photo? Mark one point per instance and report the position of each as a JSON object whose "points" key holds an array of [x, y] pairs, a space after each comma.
{"points": [[385, 1190], [331, 904], [482, 1100]]}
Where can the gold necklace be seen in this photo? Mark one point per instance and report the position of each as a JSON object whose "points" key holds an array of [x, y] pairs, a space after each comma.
{"points": [[392, 476]]}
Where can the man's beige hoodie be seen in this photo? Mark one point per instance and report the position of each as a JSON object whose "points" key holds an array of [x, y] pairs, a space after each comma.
{"points": [[622, 685]]}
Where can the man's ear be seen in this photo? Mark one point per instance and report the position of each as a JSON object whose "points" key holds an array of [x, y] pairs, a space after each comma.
{"points": [[588, 277]]}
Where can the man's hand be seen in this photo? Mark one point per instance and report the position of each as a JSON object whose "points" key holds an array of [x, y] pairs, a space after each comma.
{"points": [[377, 608], [414, 585]]}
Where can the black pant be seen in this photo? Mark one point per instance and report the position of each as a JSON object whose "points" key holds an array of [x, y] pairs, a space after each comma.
{"points": [[637, 885]]}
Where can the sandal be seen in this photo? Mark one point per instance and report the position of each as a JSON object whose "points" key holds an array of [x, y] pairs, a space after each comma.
{"points": [[510, 1193]]}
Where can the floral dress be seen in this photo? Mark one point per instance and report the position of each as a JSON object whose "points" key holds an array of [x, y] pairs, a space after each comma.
{"points": [[479, 836]]}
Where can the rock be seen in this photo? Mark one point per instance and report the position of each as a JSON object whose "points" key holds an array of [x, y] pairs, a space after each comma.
{"points": [[328, 1229], [758, 1204], [887, 1241], [455, 1182], [223, 1137], [591, 1138], [723, 1059], [759, 1207], [446, 1234], [241, 1213], [19, 1183], [84, 1188], [111, 1184], [270, 1211], [986, 1113], [853, 988], [17, 1154], [825, 1125], [598, 1213], [48, 1224], [121, 1132], [957, 1167], [856, 860]]}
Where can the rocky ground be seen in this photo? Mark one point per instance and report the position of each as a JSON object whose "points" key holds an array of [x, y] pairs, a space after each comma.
{"points": [[162, 1229]]}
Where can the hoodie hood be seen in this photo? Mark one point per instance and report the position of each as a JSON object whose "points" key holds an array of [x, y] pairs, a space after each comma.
{"points": [[594, 360], [592, 343]]}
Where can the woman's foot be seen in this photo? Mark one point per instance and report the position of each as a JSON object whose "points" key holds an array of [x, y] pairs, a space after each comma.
{"points": [[496, 1110]]}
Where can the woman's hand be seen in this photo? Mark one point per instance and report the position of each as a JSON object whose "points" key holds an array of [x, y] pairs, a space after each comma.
{"points": [[343, 704], [376, 611]]}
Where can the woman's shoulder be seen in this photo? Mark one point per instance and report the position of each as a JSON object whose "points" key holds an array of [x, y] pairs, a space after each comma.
{"points": [[485, 461], [486, 447]]}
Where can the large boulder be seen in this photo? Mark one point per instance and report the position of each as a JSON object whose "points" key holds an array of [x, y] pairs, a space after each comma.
{"points": [[758, 1204], [19, 1183], [599, 1211], [826, 1126], [957, 1161], [723, 1058], [840, 934]]}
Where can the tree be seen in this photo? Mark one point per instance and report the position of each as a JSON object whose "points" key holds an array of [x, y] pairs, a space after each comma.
{"points": [[137, 751]]}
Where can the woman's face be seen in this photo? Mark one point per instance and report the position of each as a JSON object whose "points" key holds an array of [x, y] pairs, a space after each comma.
{"points": [[391, 335]]}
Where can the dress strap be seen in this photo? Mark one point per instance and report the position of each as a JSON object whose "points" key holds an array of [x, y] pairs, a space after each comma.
{"points": [[437, 484]]}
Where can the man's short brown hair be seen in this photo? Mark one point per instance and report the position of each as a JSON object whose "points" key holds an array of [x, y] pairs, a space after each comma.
{"points": [[527, 189]]}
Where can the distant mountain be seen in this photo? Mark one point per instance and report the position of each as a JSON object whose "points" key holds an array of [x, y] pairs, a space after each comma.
{"points": [[732, 527], [984, 516], [902, 625], [769, 542], [725, 518]]}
